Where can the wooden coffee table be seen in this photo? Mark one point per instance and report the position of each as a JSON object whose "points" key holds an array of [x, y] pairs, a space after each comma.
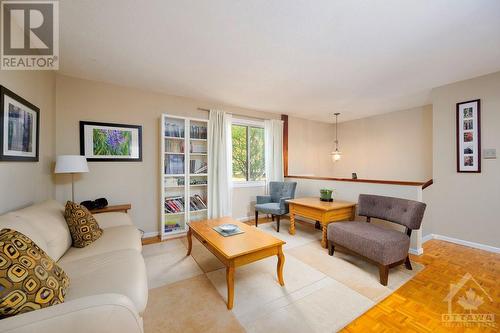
{"points": [[320, 211], [236, 250]]}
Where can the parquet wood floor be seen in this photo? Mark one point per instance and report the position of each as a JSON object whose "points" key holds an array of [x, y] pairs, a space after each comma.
{"points": [[419, 304]]}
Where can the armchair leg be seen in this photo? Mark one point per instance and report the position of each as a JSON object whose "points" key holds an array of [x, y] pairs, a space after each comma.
{"points": [[384, 274], [278, 223], [256, 218], [408, 263], [331, 248], [272, 217]]}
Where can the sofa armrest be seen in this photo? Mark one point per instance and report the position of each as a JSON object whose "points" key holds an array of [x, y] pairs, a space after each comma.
{"points": [[113, 219], [99, 313], [263, 199]]}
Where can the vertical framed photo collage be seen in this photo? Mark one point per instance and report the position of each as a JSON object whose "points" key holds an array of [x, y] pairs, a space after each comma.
{"points": [[469, 136]]}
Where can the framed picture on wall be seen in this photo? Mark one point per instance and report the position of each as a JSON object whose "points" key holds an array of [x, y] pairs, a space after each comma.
{"points": [[19, 128], [469, 136], [110, 142]]}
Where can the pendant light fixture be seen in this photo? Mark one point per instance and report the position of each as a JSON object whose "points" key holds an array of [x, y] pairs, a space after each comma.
{"points": [[336, 155]]}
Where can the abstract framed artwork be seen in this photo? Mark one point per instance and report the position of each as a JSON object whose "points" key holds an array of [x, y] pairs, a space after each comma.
{"points": [[110, 142], [469, 136], [19, 128]]}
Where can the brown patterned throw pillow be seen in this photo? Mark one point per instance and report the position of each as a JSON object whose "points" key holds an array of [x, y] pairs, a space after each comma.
{"points": [[82, 225], [29, 278]]}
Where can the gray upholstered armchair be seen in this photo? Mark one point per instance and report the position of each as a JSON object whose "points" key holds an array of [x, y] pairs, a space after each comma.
{"points": [[275, 203], [384, 247]]}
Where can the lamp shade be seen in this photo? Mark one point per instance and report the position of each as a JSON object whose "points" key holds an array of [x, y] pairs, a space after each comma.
{"points": [[71, 164], [336, 155]]}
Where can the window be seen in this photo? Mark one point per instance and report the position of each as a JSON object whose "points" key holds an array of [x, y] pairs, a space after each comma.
{"points": [[248, 152]]}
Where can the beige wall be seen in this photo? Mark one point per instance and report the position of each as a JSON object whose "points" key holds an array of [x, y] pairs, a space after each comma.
{"points": [[464, 205], [393, 146], [134, 182], [24, 183], [309, 146]]}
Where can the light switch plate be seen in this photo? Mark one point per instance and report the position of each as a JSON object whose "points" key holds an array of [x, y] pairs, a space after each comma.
{"points": [[489, 153]]}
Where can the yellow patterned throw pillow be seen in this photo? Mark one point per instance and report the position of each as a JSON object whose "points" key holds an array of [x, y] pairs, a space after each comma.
{"points": [[29, 278], [82, 225]]}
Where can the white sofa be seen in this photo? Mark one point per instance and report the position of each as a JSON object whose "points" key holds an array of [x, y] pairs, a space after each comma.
{"points": [[108, 284]]}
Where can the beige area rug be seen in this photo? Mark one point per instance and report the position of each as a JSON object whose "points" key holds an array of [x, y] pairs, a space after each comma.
{"points": [[167, 263], [321, 293]]}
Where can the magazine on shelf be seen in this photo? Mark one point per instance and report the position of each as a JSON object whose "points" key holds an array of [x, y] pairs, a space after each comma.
{"points": [[196, 202], [198, 166], [174, 204]]}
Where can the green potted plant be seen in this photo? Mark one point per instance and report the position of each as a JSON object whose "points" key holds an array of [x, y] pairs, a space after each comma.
{"points": [[326, 194]]}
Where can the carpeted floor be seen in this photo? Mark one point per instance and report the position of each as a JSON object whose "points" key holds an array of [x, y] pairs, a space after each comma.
{"points": [[321, 293]]}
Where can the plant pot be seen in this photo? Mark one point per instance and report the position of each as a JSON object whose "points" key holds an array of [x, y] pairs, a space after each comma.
{"points": [[325, 194]]}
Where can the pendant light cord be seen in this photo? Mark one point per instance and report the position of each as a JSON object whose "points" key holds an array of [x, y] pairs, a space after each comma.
{"points": [[336, 131]]}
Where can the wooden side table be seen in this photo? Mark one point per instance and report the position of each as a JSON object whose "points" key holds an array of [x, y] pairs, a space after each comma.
{"points": [[322, 212], [116, 208]]}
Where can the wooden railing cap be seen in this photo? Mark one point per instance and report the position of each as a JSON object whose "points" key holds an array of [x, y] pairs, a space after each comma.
{"points": [[373, 181]]}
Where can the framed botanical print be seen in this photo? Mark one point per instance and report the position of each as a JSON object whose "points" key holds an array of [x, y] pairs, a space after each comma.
{"points": [[469, 136], [19, 128], [110, 142]]}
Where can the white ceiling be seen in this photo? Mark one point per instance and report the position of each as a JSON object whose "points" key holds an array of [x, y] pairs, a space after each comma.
{"points": [[305, 58]]}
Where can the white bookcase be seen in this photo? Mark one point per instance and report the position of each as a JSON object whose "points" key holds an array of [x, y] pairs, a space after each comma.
{"points": [[184, 173]]}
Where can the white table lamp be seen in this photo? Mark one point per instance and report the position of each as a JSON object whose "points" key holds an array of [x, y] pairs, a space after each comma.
{"points": [[71, 164]]}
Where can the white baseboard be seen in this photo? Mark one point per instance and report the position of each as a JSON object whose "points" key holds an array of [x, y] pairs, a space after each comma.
{"points": [[150, 234], [427, 237], [479, 246], [248, 218], [416, 252]]}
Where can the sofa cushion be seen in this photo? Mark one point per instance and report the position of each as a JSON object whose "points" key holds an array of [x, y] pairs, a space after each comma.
{"points": [[14, 222], [83, 227], [126, 237], [382, 245], [47, 219], [119, 272], [113, 219], [29, 278]]}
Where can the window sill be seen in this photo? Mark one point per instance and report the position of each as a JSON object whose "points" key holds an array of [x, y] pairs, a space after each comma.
{"points": [[261, 183]]}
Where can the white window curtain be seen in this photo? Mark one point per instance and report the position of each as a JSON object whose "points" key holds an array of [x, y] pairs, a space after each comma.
{"points": [[273, 131], [219, 164]]}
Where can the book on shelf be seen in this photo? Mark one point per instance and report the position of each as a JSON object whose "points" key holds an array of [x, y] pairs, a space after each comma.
{"points": [[174, 164], [198, 132], [198, 166], [174, 130], [198, 147], [171, 227], [174, 146], [173, 223], [196, 202], [174, 204]]}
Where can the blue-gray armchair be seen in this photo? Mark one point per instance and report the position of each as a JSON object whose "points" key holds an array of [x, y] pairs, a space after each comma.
{"points": [[275, 203]]}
